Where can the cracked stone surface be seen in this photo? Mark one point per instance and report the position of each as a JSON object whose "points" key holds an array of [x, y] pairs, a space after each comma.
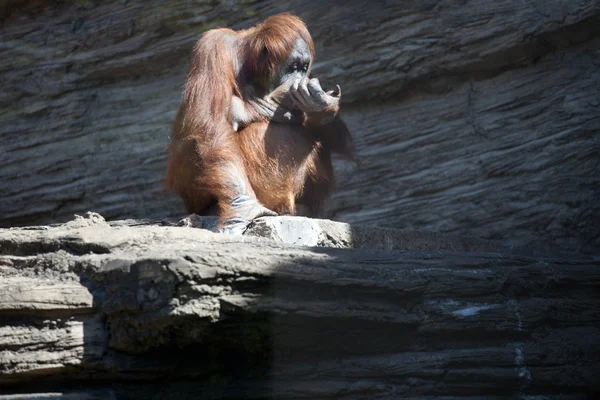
{"points": [[471, 117], [163, 310]]}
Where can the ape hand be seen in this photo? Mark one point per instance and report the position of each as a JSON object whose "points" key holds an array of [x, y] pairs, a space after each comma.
{"points": [[243, 210], [311, 98], [273, 111]]}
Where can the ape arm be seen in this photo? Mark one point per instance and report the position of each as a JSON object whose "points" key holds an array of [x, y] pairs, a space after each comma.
{"points": [[268, 108], [204, 159], [245, 113], [321, 107], [322, 116]]}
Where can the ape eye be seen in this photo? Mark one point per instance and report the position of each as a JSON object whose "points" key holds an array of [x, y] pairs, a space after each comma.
{"points": [[294, 66], [305, 67]]}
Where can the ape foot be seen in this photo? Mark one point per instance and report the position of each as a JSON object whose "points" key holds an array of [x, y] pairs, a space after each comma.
{"points": [[244, 209]]}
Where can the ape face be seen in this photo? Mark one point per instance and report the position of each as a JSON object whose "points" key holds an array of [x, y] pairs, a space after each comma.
{"points": [[297, 66], [295, 70]]}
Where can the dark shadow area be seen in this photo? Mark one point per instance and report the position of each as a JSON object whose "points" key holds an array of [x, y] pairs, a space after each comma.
{"points": [[326, 323]]}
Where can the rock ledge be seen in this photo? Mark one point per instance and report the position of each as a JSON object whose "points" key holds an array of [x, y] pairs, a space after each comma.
{"points": [[139, 309]]}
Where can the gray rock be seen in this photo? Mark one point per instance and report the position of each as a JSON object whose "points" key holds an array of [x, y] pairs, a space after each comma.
{"points": [[133, 309], [471, 117]]}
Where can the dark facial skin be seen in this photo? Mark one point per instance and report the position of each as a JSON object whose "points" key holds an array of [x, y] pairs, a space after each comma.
{"points": [[295, 69], [302, 93], [297, 66]]}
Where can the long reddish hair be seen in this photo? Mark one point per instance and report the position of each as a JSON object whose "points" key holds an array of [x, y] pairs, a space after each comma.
{"points": [[269, 44]]}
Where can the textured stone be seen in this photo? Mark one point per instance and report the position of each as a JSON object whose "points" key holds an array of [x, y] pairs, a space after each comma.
{"points": [[471, 117], [133, 309]]}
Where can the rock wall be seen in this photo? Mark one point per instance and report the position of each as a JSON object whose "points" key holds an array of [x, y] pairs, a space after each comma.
{"points": [[138, 310], [471, 116]]}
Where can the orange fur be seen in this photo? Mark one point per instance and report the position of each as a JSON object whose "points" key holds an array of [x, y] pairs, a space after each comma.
{"points": [[208, 162], [276, 35]]}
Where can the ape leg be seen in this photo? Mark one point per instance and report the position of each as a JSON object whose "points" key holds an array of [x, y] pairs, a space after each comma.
{"points": [[182, 173], [198, 202], [317, 187], [289, 205], [224, 177]]}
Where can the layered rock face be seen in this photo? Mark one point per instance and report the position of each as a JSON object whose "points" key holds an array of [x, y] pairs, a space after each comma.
{"points": [[163, 310], [471, 117]]}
